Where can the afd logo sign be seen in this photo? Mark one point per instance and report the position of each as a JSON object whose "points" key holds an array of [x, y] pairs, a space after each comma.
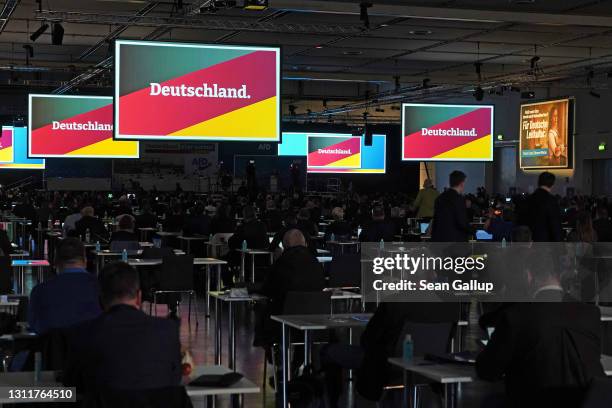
{"points": [[264, 147], [200, 163]]}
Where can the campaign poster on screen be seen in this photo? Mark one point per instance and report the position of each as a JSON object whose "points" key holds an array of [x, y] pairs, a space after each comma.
{"points": [[334, 152], [75, 126], [545, 139], [21, 160], [6, 147], [435, 132], [373, 155], [174, 91]]}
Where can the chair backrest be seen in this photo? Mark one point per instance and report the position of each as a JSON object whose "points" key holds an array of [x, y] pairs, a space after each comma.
{"points": [[6, 273], [345, 271], [118, 246], [428, 338], [156, 253], [297, 303], [599, 394], [177, 273]]}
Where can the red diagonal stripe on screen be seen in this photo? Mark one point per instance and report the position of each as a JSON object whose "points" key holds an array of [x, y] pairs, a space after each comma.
{"points": [[418, 146], [146, 115], [45, 140]]}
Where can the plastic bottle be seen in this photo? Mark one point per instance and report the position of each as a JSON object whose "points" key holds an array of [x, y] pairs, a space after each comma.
{"points": [[504, 242], [381, 244], [39, 226], [124, 256], [49, 224], [87, 235], [408, 349], [97, 246], [244, 245], [332, 237]]}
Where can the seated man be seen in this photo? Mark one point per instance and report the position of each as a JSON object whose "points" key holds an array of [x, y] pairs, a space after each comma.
{"points": [[378, 228], [124, 348], [92, 223], [69, 298], [297, 269], [125, 232], [547, 351]]}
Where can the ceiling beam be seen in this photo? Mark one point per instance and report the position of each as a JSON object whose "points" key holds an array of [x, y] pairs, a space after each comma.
{"points": [[445, 13]]}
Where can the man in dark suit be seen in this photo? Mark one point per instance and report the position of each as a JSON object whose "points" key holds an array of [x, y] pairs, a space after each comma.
{"points": [[296, 270], [547, 351], [126, 232], [124, 348], [603, 224], [251, 230], [146, 218], [92, 223], [378, 228], [450, 220], [197, 222], [69, 298], [544, 214]]}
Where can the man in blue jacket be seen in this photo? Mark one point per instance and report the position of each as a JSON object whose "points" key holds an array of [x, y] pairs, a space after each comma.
{"points": [[70, 297]]}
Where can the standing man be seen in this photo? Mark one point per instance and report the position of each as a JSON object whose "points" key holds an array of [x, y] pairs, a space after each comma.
{"points": [[544, 214], [425, 200], [450, 222]]}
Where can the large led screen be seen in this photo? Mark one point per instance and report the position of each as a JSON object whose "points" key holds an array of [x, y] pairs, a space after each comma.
{"points": [[174, 91], [19, 136], [546, 139], [432, 132], [336, 153], [75, 127]]}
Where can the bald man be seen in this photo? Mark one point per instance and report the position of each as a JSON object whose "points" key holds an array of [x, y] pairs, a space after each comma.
{"points": [[297, 269]]}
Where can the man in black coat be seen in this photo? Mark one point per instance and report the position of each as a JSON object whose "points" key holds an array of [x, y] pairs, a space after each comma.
{"points": [[296, 270], [124, 348], [378, 228], [544, 214], [547, 351], [450, 221], [92, 223]]}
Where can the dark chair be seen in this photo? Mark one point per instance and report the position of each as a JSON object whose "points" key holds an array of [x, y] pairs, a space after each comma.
{"points": [[6, 274], [345, 272], [118, 246], [428, 338], [149, 275], [175, 397], [176, 277], [301, 303]]}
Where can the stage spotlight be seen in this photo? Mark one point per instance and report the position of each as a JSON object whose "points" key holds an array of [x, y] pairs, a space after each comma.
{"points": [[528, 95], [57, 34], [479, 94], [39, 32]]}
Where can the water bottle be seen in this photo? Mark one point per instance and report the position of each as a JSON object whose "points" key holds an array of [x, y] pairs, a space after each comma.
{"points": [[381, 244], [49, 224], [408, 349], [504, 242], [37, 366], [124, 256], [244, 245], [39, 226], [87, 235], [97, 246], [332, 237], [159, 227]]}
